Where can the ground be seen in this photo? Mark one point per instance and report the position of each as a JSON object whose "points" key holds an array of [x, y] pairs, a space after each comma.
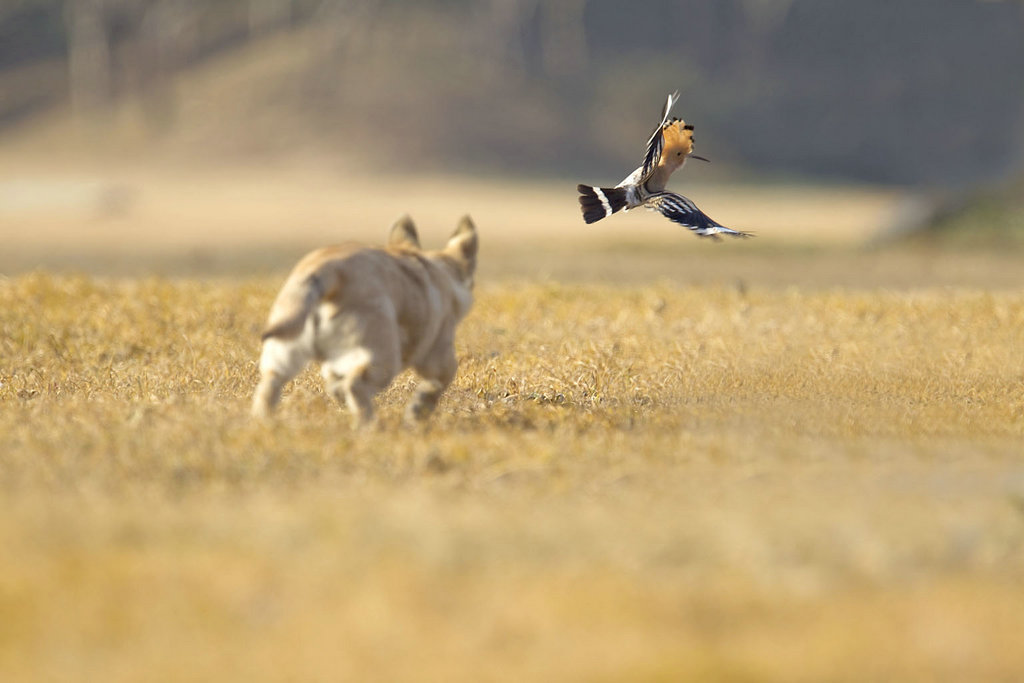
{"points": [[779, 459]]}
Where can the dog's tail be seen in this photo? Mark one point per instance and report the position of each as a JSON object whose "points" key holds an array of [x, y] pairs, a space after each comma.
{"points": [[297, 300], [600, 202]]}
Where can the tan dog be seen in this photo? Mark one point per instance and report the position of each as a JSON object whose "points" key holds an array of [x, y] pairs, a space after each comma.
{"points": [[367, 313]]}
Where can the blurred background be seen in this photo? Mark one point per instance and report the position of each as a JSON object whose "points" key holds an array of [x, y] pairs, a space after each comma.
{"points": [[192, 129]]}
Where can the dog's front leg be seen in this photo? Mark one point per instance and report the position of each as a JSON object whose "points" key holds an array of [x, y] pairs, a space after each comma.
{"points": [[437, 375]]}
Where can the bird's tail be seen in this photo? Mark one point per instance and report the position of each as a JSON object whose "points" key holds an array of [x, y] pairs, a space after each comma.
{"points": [[600, 202]]}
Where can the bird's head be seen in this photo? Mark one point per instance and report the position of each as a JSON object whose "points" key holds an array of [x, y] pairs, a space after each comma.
{"points": [[678, 137]]}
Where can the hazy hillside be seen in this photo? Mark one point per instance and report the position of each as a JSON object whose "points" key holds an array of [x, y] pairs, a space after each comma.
{"points": [[914, 91]]}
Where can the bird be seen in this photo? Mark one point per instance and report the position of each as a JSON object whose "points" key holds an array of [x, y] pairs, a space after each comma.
{"points": [[669, 146]]}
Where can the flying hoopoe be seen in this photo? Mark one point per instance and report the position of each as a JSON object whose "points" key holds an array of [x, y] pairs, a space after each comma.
{"points": [[667, 149]]}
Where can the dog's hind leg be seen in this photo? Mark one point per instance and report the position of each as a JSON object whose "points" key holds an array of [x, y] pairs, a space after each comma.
{"points": [[358, 395], [356, 376], [268, 393], [280, 361]]}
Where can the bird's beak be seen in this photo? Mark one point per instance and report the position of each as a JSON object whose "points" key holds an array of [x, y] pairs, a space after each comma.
{"points": [[694, 156]]}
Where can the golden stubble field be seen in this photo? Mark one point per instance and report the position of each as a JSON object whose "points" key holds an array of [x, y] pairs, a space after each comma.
{"points": [[644, 481], [788, 459]]}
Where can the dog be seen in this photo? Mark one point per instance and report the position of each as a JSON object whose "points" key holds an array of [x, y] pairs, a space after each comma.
{"points": [[367, 313]]}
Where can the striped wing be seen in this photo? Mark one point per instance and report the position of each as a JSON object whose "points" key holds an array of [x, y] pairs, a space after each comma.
{"points": [[681, 210], [656, 143]]}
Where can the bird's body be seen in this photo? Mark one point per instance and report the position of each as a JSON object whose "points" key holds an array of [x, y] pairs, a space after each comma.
{"points": [[669, 146]]}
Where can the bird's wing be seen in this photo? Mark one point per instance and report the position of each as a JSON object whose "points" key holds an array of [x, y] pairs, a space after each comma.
{"points": [[681, 210], [656, 143]]}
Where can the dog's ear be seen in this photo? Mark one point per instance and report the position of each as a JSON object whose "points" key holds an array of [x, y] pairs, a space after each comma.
{"points": [[463, 243], [403, 234]]}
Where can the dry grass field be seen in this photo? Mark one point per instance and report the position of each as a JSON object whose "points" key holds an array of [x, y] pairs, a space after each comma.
{"points": [[645, 481], [784, 459]]}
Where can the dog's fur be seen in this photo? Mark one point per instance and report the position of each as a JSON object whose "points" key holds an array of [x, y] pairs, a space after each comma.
{"points": [[366, 314]]}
